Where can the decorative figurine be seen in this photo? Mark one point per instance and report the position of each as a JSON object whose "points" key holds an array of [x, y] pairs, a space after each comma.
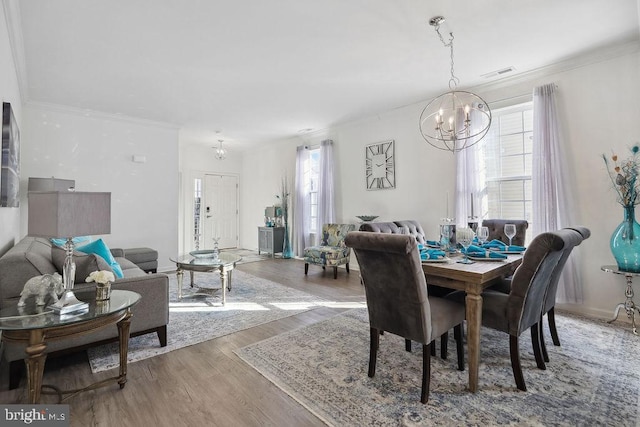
{"points": [[40, 287]]}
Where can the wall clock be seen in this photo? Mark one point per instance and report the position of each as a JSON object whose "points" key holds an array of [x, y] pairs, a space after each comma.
{"points": [[380, 169]]}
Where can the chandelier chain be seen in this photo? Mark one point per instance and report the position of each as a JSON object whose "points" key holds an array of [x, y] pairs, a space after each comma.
{"points": [[453, 81]]}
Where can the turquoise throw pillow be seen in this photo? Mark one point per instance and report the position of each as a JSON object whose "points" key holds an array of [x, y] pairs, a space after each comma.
{"points": [[61, 242], [98, 247]]}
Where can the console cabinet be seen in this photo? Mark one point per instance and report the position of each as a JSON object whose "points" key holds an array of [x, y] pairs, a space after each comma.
{"points": [[270, 239]]}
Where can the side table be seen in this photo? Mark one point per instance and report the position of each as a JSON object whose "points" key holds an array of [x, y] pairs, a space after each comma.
{"points": [[270, 240], [35, 327], [629, 306]]}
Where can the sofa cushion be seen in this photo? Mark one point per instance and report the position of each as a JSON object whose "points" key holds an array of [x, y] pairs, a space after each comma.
{"points": [[85, 263], [99, 247], [129, 269]]}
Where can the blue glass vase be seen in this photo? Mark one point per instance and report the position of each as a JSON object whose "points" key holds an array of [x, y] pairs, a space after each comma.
{"points": [[625, 242], [287, 252]]}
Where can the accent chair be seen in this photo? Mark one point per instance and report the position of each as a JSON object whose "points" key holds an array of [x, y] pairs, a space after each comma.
{"points": [[332, 251]]}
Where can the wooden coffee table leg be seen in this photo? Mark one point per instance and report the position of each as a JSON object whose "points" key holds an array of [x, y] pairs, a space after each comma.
{"points": [[35, 364], [474, 322], [123, 337]]}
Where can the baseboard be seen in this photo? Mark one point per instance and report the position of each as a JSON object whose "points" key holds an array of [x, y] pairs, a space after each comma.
{"points": [[596, 313]]}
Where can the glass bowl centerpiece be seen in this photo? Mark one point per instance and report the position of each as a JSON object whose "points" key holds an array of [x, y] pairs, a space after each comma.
{"points": [[366, 218]]}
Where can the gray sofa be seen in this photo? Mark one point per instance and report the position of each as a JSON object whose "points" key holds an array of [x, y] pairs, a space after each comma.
{"points": [[34, 256]]}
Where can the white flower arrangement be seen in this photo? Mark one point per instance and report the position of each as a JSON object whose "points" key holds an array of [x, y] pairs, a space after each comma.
{"points": [[102, 276]]}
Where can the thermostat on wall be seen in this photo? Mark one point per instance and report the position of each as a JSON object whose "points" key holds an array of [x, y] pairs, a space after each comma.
{"points": [[139, 159]]}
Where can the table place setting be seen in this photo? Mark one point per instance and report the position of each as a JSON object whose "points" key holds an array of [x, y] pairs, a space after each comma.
{"points": [[501, 247], [478, 253], [430, 253]]}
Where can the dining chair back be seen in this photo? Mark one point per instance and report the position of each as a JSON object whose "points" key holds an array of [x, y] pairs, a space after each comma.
{"points": [[397, 297], [579, 234], [496, 230]]}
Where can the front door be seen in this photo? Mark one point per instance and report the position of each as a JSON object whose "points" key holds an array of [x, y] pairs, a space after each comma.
{"points": [[220, 211]]}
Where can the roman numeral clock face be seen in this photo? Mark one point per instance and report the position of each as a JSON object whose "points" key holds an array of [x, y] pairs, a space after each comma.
{"points": [[380, 165]]}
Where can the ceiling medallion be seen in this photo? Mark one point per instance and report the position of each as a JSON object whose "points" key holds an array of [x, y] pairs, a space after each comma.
{"points": [[456, 119]]}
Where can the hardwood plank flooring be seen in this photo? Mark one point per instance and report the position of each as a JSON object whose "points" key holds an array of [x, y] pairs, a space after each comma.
{"points": [[205, 384]]}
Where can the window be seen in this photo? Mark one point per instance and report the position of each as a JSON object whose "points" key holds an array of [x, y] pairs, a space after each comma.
{"points": [[197, 219], [311, 182], [507, 156]]}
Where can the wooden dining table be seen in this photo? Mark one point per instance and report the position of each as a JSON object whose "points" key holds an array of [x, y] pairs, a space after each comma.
{"points": [[473, 279]]}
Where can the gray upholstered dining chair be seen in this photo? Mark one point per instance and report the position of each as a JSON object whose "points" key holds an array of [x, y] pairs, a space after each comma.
{"points": [[397, 298], [496, 230], [521, 308], [581, 233], [573, 237]]}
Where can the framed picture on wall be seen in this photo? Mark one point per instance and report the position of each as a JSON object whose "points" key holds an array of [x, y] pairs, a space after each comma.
{"points": [[10, 166]]}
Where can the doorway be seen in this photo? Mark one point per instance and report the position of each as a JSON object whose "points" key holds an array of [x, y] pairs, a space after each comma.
{"points": [[219, 209]]}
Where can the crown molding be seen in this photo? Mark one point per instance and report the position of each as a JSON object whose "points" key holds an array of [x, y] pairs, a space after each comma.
{"points": [[14, 30], [578, 61], [85, 112]]}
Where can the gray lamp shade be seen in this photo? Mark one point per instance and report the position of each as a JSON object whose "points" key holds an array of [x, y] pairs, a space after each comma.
{"points": [[69, 214], [50, 184]]}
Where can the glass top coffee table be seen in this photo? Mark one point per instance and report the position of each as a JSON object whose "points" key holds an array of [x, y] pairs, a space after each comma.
{"points": [[205, 262], [35, 326]]}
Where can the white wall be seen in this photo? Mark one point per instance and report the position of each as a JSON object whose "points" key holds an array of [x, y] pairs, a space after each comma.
{"points": [[96, 150], [599, 109], [262, 174], [9, 217]]}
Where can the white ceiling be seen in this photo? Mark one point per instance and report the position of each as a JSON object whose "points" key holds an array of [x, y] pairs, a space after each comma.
{"points": [[261, 70]]}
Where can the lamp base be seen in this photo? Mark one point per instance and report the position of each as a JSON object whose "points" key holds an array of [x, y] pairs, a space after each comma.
{"points": [[68, 303]]}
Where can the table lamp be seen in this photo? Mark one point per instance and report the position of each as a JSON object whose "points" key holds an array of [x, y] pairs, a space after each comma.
{"points": [[54, 214]]}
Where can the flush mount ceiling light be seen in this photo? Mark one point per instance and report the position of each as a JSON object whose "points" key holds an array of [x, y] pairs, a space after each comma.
{"points": [[221, 153], [456, 119]]}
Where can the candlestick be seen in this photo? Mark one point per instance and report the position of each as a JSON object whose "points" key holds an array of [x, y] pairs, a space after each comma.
{"points": [[472, 216]]}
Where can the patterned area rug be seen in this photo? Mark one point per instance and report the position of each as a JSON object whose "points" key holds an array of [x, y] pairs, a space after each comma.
{"points": [[251, 302], [248, 255], [592, 379]]}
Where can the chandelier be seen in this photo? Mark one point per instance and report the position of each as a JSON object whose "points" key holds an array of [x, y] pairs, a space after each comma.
{"points": [[456, 119], [221, 153]]}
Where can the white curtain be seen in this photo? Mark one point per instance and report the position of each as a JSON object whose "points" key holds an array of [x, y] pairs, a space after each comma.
{"points": [[326, 205], [301, 226], [553, 206], [469, 179]]}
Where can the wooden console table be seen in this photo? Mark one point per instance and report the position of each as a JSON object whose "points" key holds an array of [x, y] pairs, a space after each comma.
{"points": [[35, 326]]}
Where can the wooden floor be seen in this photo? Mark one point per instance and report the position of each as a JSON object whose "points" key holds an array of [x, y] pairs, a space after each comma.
{"points": [[205, 384]]}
